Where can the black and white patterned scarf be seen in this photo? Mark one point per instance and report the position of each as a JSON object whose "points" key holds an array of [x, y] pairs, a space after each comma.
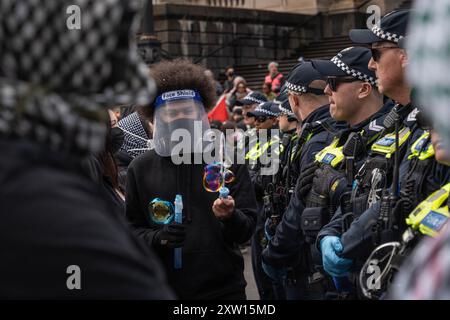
{"points": [[55, 83], [136, 140]]}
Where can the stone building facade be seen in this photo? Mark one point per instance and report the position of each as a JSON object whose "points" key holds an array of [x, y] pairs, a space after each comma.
{"points": [[218, 33]]}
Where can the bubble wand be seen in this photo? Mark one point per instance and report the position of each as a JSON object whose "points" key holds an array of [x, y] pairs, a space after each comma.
{"points": [[178, 219], [224, 191], [216, 175]]}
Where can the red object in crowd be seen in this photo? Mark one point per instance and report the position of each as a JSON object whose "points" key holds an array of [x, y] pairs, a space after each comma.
{"points": [[276, 82], [219, 112]]}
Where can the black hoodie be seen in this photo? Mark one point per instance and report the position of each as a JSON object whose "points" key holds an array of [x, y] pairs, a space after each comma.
{"points": [[212, 263]]}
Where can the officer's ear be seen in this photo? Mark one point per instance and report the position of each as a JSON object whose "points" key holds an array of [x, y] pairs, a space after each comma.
{"points": [[294, 100], [365, 90], [403, 58]]}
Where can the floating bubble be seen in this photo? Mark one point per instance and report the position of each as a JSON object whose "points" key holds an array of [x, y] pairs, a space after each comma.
{"points": [[161, 211], [229, 176], [214, 178]]}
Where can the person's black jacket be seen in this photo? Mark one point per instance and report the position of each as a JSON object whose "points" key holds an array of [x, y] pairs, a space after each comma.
{"points": [[54, 217], [212, 265], [95, 171], [123, 160]]}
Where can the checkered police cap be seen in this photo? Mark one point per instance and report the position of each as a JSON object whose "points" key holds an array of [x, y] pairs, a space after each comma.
{"points": [[353, 72], [252, 98], [295, 88], [283, 104], [301, 76], [266, 109], [352, 61], [392, 27], [388, 36]]}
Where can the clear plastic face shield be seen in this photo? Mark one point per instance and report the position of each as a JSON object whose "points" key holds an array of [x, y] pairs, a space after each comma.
{"points": [[180, 121]]}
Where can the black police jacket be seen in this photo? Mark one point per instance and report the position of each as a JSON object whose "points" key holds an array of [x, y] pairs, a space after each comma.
{"points": [[335, 226], [53, 217], [285, 247], [358, 240], [212, 265], [368, 132]]}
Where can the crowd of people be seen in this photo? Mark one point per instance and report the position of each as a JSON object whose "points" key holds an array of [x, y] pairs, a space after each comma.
{"points": [[342, 191]]}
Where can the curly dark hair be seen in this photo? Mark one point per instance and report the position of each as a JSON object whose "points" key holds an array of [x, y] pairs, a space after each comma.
{"points": [[181, 74]]}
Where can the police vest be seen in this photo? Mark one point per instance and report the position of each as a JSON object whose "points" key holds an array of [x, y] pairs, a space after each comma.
{"points": [[259, 149], [246, 140], [386, 145], [414, 185], [430, 215], [331, 155], [375, 174]]}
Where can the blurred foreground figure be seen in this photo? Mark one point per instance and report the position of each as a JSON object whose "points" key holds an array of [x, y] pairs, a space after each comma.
{"points": [[60, 236], [426, 274]]}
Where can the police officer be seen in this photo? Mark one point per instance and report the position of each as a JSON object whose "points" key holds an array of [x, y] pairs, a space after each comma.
{"points": [[263, 162], [305, 87], [248, 104], [412, 280], [382, 167], [425, 178], [289, 126], [354, 99], [277, 192]]}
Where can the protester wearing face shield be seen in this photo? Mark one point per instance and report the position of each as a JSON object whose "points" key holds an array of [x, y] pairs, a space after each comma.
{"points": [[212, 228], [180, 112]]}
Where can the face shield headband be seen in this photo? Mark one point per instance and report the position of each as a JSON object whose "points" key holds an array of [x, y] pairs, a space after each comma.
{"points": [[179, 122]]}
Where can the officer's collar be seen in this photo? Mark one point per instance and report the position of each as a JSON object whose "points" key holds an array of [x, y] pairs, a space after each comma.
{"points": [[372, 120], [320, 113], [292, 131], [408, 114], [372, 125]]}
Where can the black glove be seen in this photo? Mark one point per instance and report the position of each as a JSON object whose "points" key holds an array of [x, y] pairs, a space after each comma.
{"points": [[325, 180], [305, 179], [170, 236]]}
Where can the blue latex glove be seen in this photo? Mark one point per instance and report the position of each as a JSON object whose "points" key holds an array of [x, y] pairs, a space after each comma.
{"points": [[336, 266], [277, 275]]}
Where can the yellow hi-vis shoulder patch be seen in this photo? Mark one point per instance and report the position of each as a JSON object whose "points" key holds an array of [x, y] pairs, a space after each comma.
{"points": [[422, 148], [429, 217], [331, 155], [258, 149], [386, 145]]}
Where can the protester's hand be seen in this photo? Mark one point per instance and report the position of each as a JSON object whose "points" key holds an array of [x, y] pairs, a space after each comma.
{"points": [[334, 265], [223, 208], [170, 236]]}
